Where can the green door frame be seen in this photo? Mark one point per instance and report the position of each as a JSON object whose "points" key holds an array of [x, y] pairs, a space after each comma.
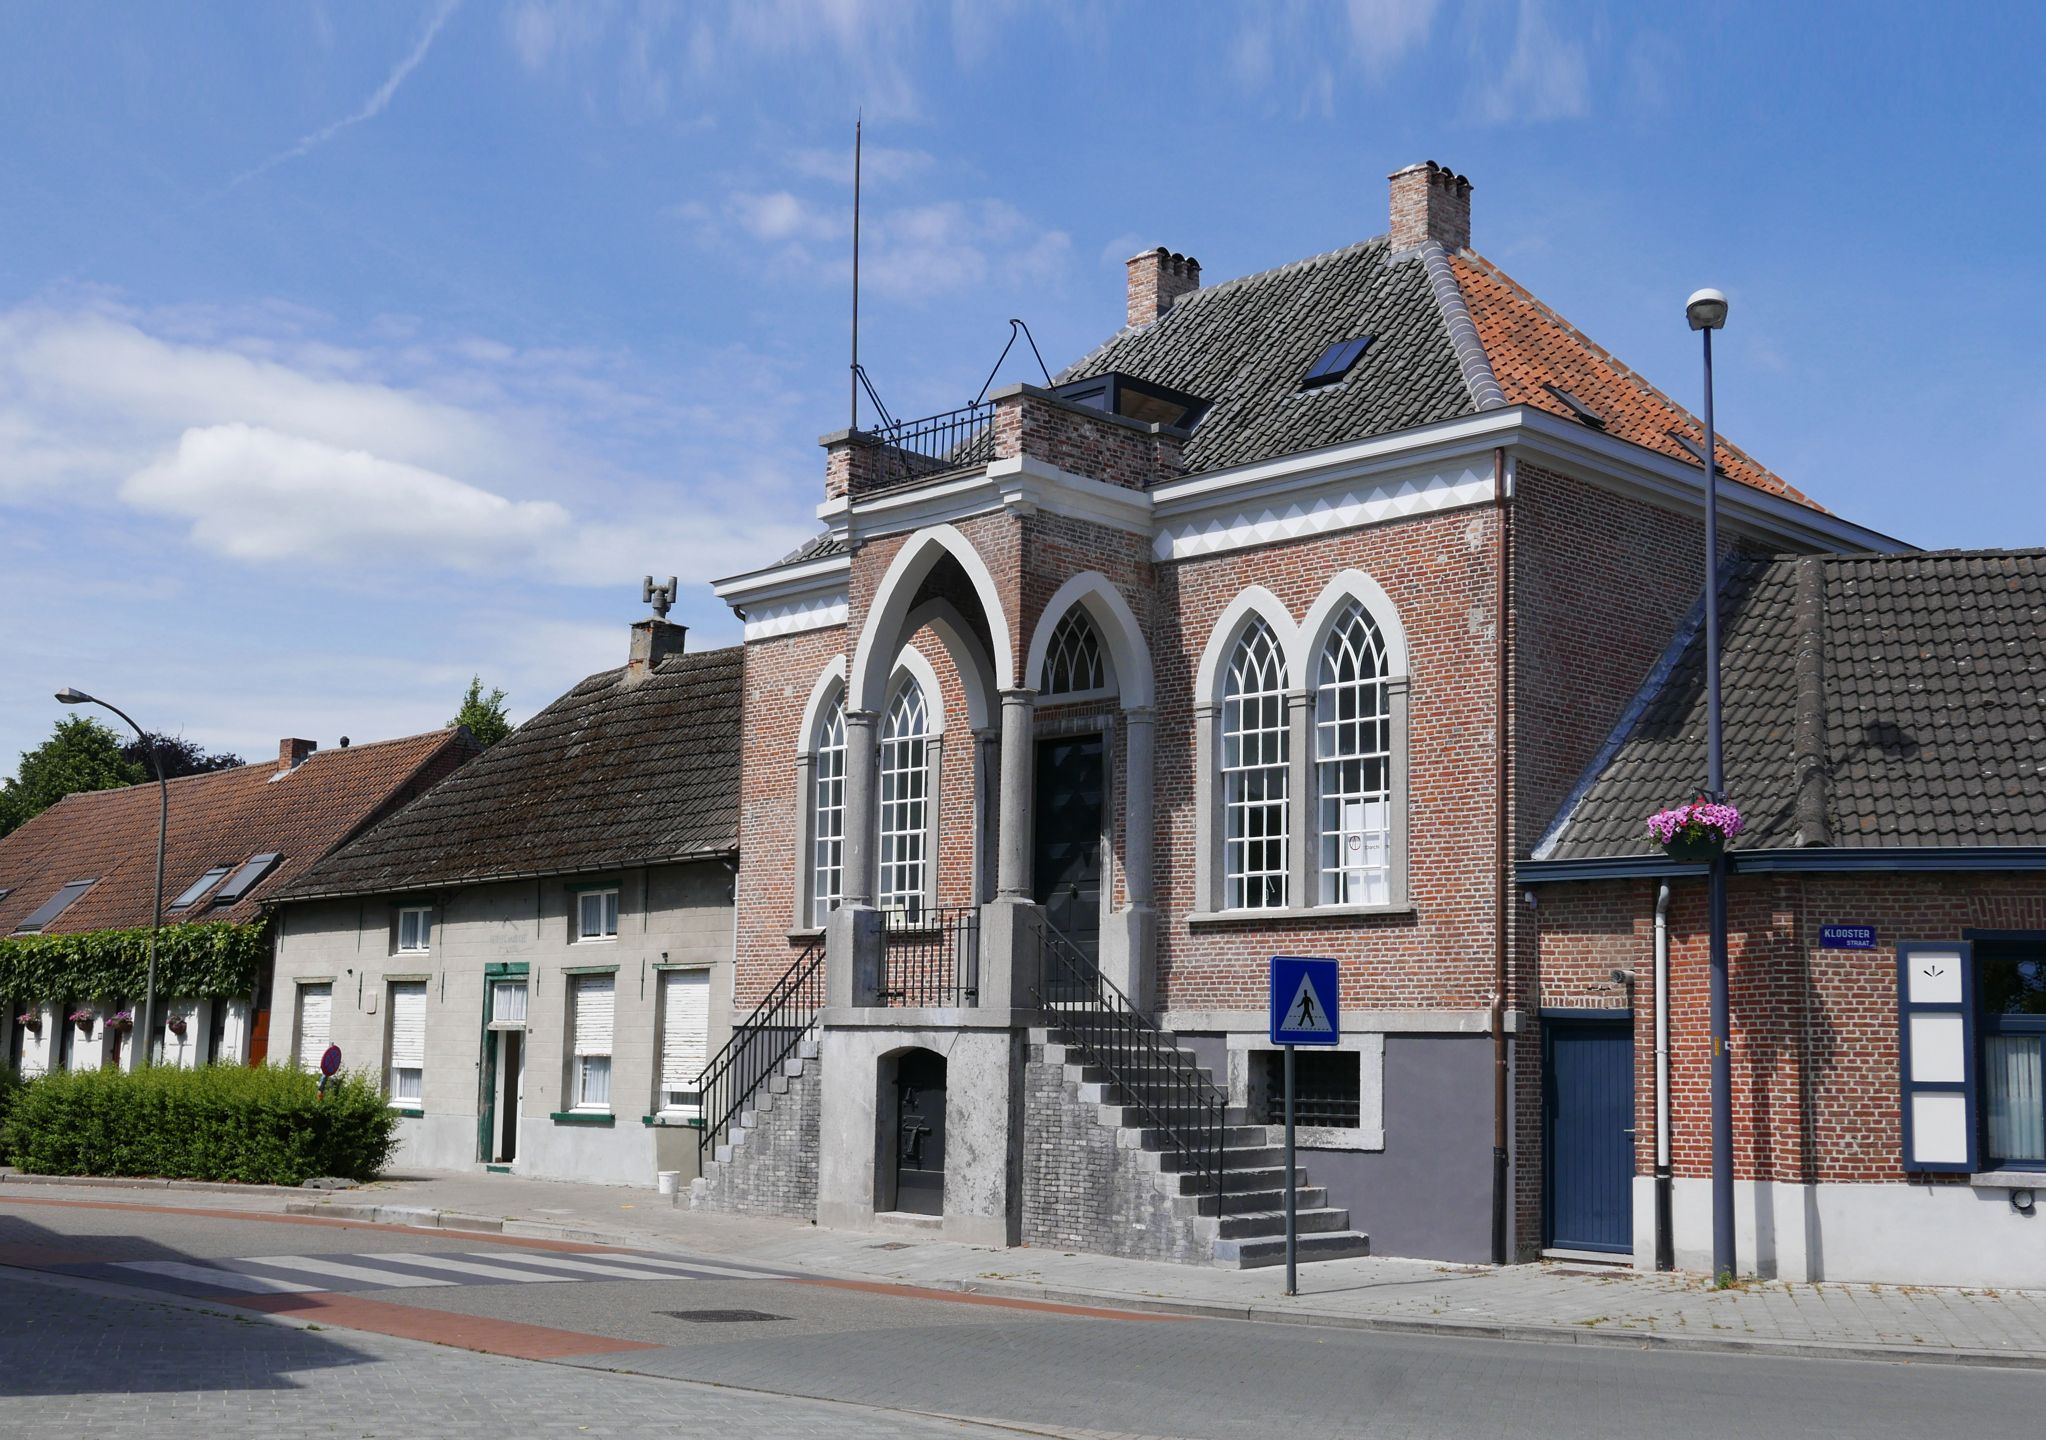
{"points": [[486, 1109]]}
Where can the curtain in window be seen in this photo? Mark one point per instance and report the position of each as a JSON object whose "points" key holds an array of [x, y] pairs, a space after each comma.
{"points": [[905, 783], [827, 812], [1254, 783], [685, 1023], [1353, 763], [315, 1018], [2011, 1087]]}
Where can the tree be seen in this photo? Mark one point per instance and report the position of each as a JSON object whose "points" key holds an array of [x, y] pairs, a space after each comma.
{"points": [[81, 754], [483, 714], [178, 756]]}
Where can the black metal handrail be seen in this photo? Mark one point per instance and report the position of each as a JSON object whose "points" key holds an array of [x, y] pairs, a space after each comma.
{"points": [[953, 440], [759, 1045], [931, 957], [1157, 1078]]}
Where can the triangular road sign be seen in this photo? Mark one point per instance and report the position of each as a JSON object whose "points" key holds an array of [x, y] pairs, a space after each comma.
{"points": [[1306, 1014]]}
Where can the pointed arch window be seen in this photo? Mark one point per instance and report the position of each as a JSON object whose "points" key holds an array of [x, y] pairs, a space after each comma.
{"points": [[1353, 756], [1073, 661], [905, 801], [1254, 773], [827, 812]]}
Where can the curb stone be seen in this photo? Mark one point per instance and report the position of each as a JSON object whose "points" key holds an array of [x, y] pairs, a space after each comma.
{"points": [[1522, 1331]]}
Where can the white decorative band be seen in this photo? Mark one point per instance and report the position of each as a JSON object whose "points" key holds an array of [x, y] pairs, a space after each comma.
{"points": [[790, 617], [1344, 507]]}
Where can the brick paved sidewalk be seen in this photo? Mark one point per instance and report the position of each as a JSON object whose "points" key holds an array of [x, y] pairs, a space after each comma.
{"points": [[1576, 1303]]}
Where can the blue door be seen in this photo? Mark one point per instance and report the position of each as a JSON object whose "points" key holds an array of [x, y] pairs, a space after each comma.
{"points": [[1588, 1115]]}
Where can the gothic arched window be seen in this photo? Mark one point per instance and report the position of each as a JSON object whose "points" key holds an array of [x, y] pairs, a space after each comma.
{"points": [[1073, 663], [827, 812], [905, 800], [1353, 762], [1254, 781]]}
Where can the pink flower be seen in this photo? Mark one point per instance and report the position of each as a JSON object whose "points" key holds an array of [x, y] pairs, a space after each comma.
{"points": [[1698, 820]]}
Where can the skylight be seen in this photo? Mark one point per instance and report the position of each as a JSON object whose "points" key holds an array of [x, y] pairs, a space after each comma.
{"points": [[51, 908], [1335, 362], [244, 879], [1695, 448], [198, 887], [1578, 408]]}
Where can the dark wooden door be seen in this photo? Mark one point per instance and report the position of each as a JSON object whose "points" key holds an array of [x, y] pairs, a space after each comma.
{"points": [[511, 1074], [1588, 1113], [920, 1133], [1071, 794]]}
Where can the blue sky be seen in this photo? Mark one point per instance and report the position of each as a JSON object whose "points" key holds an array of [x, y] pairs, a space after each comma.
{"points": [[349, 348]]}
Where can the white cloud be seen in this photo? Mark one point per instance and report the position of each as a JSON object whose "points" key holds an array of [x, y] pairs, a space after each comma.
{"points": [[370, 108], [879, 164], [1546, 77], [1385, 32]]}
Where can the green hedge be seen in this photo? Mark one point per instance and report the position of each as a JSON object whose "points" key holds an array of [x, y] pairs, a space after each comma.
{"points": [[265, 1126], [214, 960], [10, 1087]]}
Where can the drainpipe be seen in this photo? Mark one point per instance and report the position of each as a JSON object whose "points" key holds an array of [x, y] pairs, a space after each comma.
{"points": [[1502, 909], [1665, 1235]]}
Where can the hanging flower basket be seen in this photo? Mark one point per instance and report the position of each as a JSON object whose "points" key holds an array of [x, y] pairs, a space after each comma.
{"points": [[83, 1020], [30, 1020], [121, 1021], [176, 1026], [1696, 831]]}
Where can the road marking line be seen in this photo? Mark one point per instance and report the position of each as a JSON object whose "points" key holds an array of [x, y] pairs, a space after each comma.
{"points": [[439, 1327], [473, 1265], [219, 1279], [320, 1265], [590, 1266]]}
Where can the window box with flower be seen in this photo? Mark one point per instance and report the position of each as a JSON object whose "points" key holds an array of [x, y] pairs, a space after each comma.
{"points": [[1699, 830]]}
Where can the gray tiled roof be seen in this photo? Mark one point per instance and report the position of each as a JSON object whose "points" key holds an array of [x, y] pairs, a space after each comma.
{"points": [[1245, 344], [1920, 722], [610, 775]]}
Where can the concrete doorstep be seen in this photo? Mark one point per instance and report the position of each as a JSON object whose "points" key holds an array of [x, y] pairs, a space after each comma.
{"points": [[1551, 1304]]}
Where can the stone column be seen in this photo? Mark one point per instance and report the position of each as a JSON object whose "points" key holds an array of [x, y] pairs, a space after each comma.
{"points": [[1303, 815], [1138, 816], [1012, 868], [987, 810], [862, 806]]}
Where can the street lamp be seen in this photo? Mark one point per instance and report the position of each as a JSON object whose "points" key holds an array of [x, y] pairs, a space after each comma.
{"points": [[70, 696], [1706, 310]]}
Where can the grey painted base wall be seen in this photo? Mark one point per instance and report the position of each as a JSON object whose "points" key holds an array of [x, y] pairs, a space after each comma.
{"points": [[1428, 1194]]}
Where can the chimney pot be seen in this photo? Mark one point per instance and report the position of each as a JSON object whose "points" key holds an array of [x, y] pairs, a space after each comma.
{"points": [[1156, 279], [653, 640], [1430, 203], [291, 753]]}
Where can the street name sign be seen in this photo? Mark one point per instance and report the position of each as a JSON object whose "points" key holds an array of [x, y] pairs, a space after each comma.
{"points": [[1847, 937]]}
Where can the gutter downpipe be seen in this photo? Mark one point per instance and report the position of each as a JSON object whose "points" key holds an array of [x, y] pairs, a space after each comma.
{"points": [[1502, 910], [1665, 1234]]}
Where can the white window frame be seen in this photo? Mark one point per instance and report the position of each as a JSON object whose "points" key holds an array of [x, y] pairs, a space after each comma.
{"points": [[665, 1104], [392, 1070], [607, 898], [1352, 744], [1074, 634], [826, 788], [423, 935], [907, 801], [582, 1063], [1255, 759]]}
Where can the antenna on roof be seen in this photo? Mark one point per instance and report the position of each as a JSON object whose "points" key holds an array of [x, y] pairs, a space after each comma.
{"points": [[853, 381], [661, 597]]}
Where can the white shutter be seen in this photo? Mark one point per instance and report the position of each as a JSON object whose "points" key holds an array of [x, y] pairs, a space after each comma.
{"points": [[408, 1026], [315, 1023], [593, 1014], [1936, 1023], [685, 1025]]}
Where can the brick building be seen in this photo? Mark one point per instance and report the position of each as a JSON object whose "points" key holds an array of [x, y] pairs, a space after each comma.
{"points": [[1886, 937], [1286, 621]]}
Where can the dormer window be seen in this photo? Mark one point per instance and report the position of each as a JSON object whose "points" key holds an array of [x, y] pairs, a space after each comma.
{"points": [[1335, 362]]}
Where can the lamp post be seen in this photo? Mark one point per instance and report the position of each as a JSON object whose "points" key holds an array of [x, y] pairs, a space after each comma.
{"points": [[69, 696], [1706, 310]]}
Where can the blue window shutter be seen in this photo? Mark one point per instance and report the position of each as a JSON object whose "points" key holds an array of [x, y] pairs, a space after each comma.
{"points": [[1936, 1055]]}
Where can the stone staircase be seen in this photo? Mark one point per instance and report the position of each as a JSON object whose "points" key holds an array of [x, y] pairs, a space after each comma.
{"points": [[1241, 1224], [767, 1164]]}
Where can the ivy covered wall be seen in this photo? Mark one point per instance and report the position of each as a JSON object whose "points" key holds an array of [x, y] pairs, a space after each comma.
{"points": [[213, 960]]}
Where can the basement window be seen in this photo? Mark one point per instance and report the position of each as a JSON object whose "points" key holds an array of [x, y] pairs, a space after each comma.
{"points": [[1335, 362], [1584, 413], [1327, 1089]]}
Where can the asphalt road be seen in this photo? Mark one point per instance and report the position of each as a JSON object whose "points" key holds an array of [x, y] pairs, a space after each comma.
{"points": [[115, 1318]]}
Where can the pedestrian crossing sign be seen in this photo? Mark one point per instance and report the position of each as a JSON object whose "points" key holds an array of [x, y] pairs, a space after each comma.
{"points": [[1305, 1003]]}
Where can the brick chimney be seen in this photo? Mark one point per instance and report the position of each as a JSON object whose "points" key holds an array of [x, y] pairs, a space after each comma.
{"points": [[653, 640], [1157, 278], [1430, 203], [291, 753]]}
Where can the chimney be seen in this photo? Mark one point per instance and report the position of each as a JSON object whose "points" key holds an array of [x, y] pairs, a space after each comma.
{"points": [[291, 753], [1430, 203], [1157, 278], [653, 640]]}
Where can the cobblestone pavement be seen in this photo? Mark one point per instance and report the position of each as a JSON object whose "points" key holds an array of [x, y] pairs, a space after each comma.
{"points": [[77, 1363], [1567, 1301]]}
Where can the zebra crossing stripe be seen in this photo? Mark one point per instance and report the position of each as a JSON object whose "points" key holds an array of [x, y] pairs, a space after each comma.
{"points": [[591, 1267], [346, 1269], [217, 1278], [472, 1265]]}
